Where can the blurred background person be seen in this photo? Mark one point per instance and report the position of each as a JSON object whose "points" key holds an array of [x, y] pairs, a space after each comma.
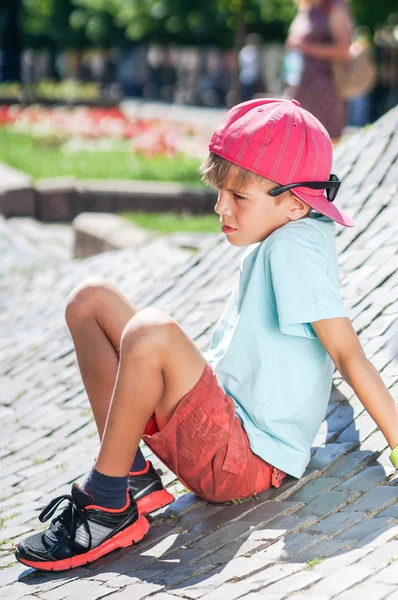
{"points": [[250, 67], [320, 33]]}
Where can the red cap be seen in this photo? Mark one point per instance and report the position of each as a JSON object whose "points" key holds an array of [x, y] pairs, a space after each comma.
{"points": [[281, 141]]}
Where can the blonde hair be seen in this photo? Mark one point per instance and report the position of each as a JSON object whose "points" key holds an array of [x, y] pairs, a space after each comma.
{"points": [[215, 171]]}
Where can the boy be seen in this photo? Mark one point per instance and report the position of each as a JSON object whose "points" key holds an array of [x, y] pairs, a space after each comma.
{"points": [[232, 423]]}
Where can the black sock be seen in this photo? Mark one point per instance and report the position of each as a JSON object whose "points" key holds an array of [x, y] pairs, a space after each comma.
{"points": [[139, 463], [109, 492]]}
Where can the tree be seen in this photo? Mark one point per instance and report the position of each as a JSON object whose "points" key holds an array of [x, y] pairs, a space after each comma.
{"points": [[58, 24], [12, 45]]}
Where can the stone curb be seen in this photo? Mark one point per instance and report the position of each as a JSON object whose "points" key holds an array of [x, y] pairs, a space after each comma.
{"points": [[101, 232], [62, 199]]}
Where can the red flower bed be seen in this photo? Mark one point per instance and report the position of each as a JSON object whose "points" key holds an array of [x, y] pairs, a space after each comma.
{"points": [[150, 137]]}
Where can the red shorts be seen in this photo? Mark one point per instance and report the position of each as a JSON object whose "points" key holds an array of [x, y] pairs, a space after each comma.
{"points": [[207, 448]]}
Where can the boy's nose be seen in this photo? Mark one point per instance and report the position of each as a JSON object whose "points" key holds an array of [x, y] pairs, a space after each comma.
{"points": [[222, 206]]}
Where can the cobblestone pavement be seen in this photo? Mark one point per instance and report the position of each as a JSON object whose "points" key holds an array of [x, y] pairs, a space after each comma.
{"points": [[332, 534]]}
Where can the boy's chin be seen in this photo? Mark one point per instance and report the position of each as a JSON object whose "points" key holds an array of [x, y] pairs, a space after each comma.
{"points": [[241, 243], [237, 243]]}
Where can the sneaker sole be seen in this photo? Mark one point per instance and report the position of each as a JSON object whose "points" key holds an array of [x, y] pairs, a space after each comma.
{"points": [[154, 501], [132, 534]]}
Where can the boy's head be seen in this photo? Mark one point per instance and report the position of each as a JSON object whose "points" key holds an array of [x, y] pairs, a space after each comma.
{"points": [[264, 144]]}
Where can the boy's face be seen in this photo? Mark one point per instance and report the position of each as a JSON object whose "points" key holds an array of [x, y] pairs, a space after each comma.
{"points": [[250, 215]]}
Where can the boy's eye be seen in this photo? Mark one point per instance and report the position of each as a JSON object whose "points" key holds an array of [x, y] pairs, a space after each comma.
{"points": [[238, 197]]}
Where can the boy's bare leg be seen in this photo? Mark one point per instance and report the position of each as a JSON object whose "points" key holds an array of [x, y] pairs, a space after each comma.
{"points": [[158, 365], [96, 314]]}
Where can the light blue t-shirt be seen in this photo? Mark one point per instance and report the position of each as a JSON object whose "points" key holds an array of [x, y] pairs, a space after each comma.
{"points": [[263, 349]]}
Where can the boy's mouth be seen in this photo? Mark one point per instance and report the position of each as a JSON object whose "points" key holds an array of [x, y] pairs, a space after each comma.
{"points": [[226, 229]]}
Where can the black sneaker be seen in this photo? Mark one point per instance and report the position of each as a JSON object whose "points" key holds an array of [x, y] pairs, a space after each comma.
{"points": [[148, 491], [81, 533]]}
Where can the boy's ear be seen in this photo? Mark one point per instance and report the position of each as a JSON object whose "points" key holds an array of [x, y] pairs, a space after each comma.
{"points": [[297, 208]]}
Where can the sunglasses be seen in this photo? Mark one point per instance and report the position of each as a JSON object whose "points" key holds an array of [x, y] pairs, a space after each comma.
{"points": [[331, 187]]}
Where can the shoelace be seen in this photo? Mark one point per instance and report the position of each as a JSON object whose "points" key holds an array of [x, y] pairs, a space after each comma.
{"points": [[68, 519]]}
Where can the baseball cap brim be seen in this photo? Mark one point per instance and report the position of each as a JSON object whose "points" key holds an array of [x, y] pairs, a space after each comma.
{"points": [[321, 204]]}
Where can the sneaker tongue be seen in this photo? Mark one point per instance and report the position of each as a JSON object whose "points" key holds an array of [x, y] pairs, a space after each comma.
{"points": [[82, 498]]}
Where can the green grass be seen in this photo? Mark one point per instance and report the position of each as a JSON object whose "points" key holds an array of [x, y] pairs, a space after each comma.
{"points": [[41, 160], [314, 562], [175, 222]]}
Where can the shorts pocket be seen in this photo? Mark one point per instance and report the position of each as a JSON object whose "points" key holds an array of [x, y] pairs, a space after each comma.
{"points": [[235, 461], [200, 438]]}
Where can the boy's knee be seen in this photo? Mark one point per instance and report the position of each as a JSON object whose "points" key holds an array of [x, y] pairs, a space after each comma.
{"points": [[148, 331], [84, 299]]}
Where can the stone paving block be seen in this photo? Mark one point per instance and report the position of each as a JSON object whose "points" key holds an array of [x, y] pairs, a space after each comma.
{"points": [[339, 418], [275, 529], [202, 584], [25, 437], [18, 590], [375, 442], [325, 457], [287, 548], [292, 583], [391, 511], [369, 527], [155, 535], [12, 574], [163, 596], [315, 487], [341, 559], [381, 556], [19, 499], [361, 428], [16, 597], [257, 517], [299, 596], [135, 590], [9, 482], [231, 591], [367, 591], [254, 512], [364, 480], [16, 466], [340, 581], [118, 563], [335, 523], [36, 451], [382, 535], [284, 525], [79, 588], [328, 503], [374, 500], [11, 389], [263, 513], [26, 518], [387, 575], [223, 535], [9, 533], [255, 595], [323, 548]]}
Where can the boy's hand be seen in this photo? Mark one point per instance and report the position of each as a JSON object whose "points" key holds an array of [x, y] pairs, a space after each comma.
{"points": [[340, 341]]}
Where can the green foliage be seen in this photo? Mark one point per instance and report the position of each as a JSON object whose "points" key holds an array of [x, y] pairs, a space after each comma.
{"points": [[373, 12], [314, 562], [80, 23]]}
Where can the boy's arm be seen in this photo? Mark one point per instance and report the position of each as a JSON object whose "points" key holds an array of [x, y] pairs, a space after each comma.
{"points": [[339, 339]]}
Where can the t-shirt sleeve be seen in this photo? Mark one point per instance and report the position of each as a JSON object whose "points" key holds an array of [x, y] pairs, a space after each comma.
{"points": [[304, 290]]}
